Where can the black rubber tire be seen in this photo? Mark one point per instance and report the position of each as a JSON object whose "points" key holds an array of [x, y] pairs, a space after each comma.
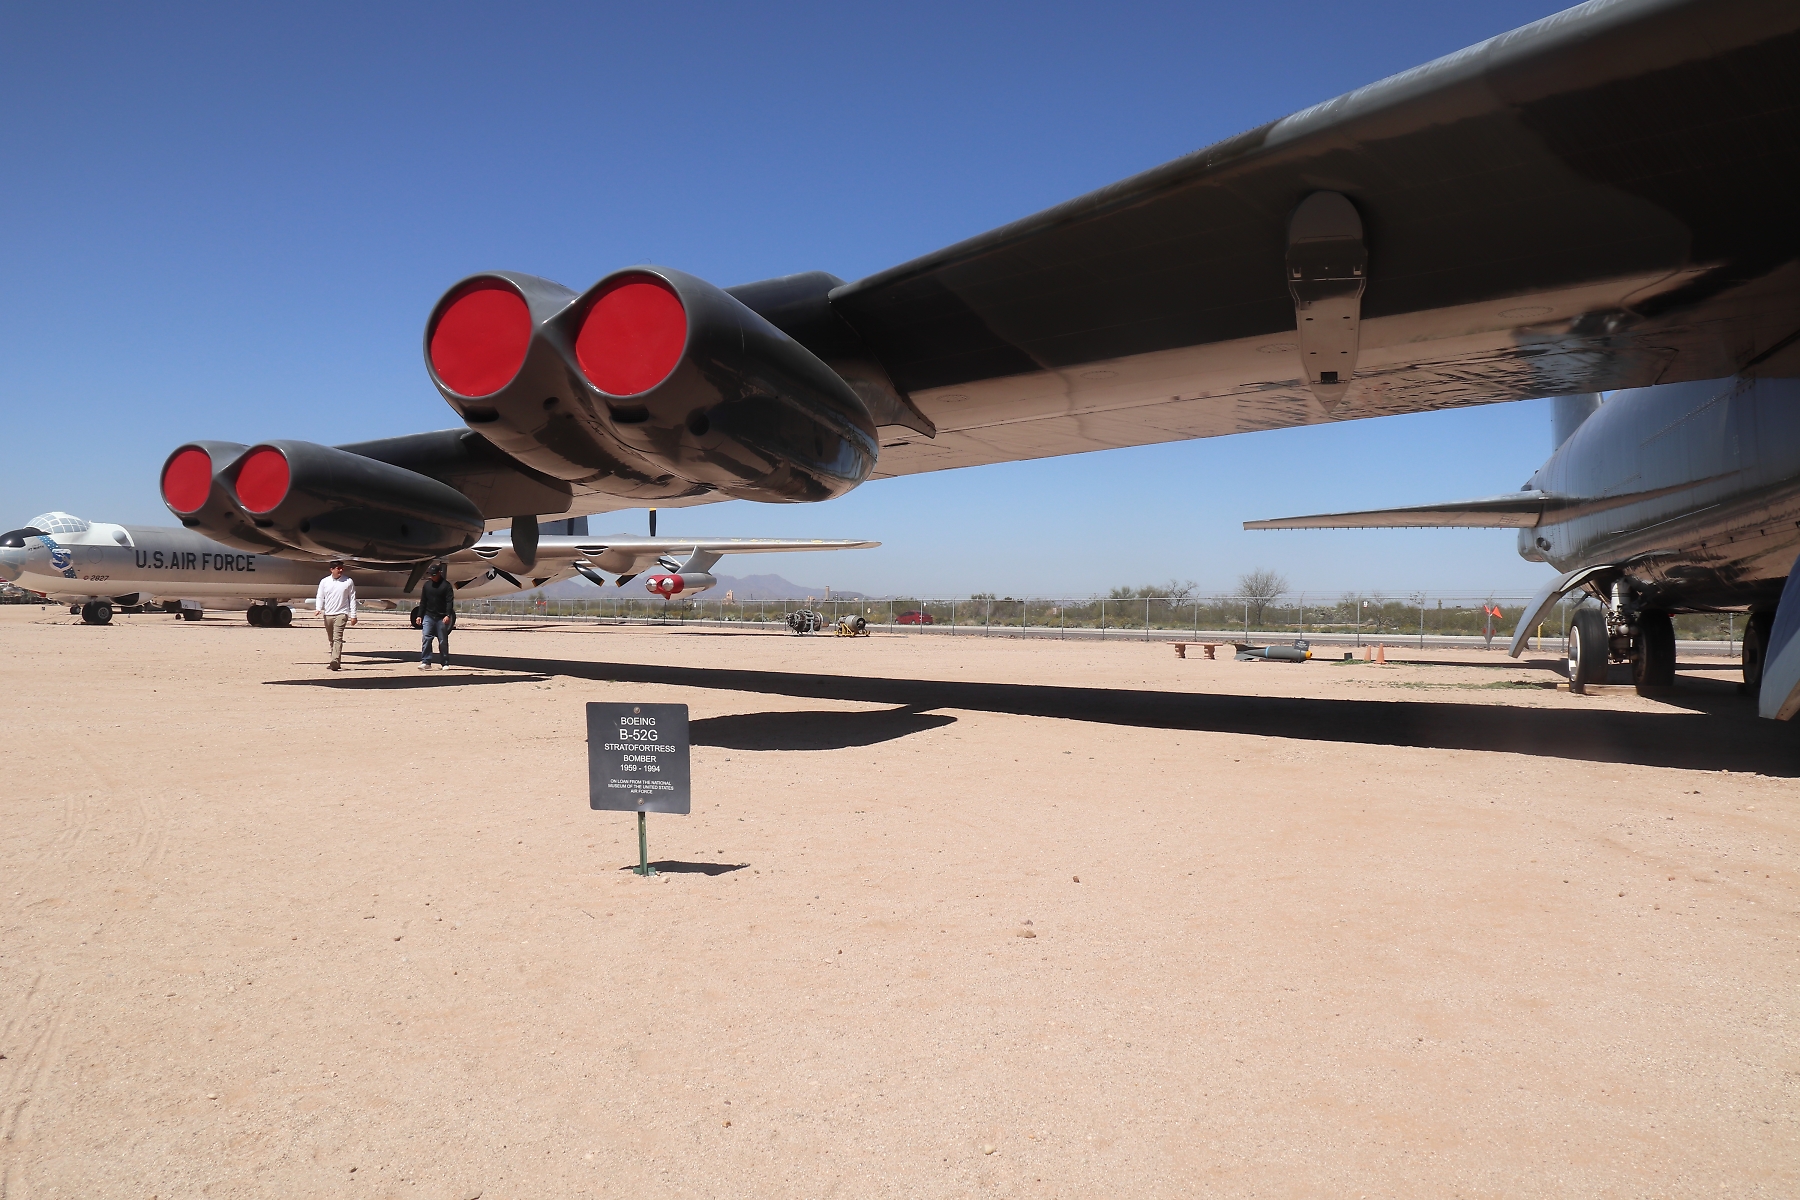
{"points": [[74, 610], [191, 614], [98, 612], [1587, 649], [257, 615], [284, 616], [1756, 645], [1653, 657], [418, 616]]}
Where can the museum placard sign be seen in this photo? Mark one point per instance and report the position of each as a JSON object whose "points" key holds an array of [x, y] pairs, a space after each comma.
{"points": [[638, 757]]}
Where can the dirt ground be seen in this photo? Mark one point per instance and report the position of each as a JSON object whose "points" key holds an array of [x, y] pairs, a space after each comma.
{"points": [[951, 917]]}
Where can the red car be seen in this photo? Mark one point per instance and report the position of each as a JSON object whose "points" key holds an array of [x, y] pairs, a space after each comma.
{"points": [[915, 617]]}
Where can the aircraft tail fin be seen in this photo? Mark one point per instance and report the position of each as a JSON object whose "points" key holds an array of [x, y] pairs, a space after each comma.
{"points": [[1568, 412]]}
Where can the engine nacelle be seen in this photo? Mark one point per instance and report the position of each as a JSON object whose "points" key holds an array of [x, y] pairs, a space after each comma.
{"points": [[318, 500], [675, 585], [196, 486], [657, 382]]}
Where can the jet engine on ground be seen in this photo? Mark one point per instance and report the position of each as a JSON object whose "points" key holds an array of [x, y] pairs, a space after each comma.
{"points": [[657, 382], [318, 500], [806, 620]]}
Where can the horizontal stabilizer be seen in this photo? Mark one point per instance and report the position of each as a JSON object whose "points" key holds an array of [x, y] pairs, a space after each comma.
{"points": [[1513, 510]]}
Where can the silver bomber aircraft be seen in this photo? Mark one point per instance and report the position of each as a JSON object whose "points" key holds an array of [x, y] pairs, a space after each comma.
{"points": [[93, 566], [1598, 202]]}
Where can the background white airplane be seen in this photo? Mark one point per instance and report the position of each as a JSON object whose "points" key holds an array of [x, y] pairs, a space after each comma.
{"points": [[94, 566]]}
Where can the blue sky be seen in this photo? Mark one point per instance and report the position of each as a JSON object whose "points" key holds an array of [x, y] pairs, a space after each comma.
{"points": [[231, 221]]}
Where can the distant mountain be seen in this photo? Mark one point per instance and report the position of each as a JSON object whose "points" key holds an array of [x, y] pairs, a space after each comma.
{"points": [[746, 587]]}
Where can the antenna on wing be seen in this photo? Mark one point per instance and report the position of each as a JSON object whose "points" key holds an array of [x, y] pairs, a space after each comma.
{"points": [[653, 522]]}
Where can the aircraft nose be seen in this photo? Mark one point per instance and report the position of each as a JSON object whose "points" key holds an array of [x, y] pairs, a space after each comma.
{"points": [[12, 563]]}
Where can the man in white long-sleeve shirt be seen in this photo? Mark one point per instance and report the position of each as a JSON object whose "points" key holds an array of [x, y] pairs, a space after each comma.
{"points": [[336, 605]]}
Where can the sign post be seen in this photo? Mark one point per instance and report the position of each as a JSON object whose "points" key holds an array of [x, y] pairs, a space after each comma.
{"points": [[638, 762]]}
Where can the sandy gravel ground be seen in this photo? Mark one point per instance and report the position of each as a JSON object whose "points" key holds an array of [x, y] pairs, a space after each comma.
{"points": [[952, 917]]}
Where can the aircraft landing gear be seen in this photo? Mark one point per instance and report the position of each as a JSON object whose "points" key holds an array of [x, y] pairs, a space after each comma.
{"points": [[1653, 652], [1621, 632], [1756, 648], [270, 616], [1587, 649], [97, 612], [191, 614]]}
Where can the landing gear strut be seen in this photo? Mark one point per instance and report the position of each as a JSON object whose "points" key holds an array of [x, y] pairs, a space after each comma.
{"points": [[1756, 650], [1623, 632]]}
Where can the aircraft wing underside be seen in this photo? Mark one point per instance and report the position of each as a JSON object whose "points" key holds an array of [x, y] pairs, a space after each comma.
{"points": [[624, 554], [1595, 201]]}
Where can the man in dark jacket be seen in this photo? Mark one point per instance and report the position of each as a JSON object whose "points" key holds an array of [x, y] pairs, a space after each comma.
{"points": [[438, 599]]}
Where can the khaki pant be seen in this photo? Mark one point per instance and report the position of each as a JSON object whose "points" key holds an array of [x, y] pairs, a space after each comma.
{"points": [[334, 634]]}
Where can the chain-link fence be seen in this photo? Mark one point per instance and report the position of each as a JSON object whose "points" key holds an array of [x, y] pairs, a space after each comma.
{"points": [[1420, 620]]}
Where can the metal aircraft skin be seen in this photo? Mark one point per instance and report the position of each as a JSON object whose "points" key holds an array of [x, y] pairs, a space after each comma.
{"points": [[96, 565], [1657, 501], [1596, 202]]}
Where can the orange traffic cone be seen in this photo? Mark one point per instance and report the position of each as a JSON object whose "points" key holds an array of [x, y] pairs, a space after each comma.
{"points": [[1381, 653]]}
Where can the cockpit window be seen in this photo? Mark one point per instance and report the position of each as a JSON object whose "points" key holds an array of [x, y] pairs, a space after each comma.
{"points": [[54, 523], [14, 539]]}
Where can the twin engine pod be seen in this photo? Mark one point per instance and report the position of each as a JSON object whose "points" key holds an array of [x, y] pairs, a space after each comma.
{"points": [[284, 496], [673, 585], [656, 382]]}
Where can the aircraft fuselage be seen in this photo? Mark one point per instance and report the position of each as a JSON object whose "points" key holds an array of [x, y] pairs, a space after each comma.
{"points": [[139, 564], [1726, 540]]}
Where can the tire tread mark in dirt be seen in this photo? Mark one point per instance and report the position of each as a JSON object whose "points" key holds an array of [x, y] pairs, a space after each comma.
{"points": [[77, 817], [22, 1085], [152, 834]]}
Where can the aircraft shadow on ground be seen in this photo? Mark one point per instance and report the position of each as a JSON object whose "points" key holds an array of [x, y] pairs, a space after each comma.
{"points": [[398, 683], [670, 867], [819, 730], [1724, 734]]}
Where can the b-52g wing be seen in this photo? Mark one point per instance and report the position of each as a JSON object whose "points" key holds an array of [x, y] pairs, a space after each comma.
{"points": [[1599, 200], [686, 563], [1595, 201]]}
